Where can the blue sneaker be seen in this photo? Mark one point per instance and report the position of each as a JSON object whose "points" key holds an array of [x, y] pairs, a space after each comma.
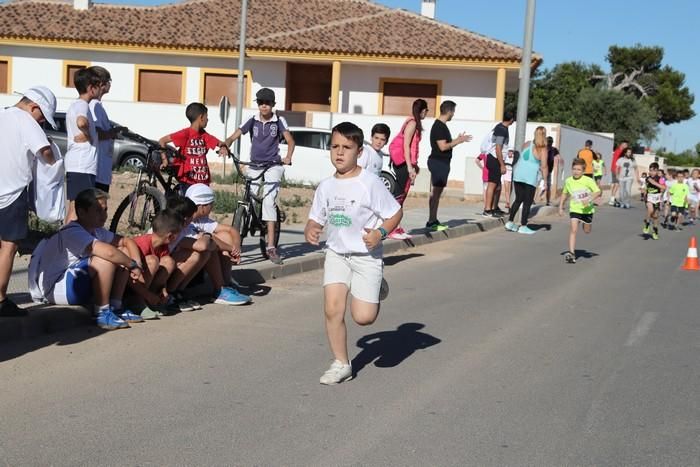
{"points": [[230, 296], [108, 320], [511, 226], [524, 229], [129, 316]]}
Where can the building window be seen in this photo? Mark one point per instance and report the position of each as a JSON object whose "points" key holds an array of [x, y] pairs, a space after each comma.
{"points": [[4, 76], [397, 96], [165, 86], [69, 69], [217, 85]]}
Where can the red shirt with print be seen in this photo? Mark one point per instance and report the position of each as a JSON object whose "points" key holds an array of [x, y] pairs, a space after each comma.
{"points": [[194, 145], [145, 244], [616, 155]]}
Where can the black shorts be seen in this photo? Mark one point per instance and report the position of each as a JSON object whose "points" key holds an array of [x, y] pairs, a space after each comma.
{"points": [[102, 186], [439, 171], [585, 218], [77, 182], [678, 209], [597, 178], [494, 169], [14, 219]]}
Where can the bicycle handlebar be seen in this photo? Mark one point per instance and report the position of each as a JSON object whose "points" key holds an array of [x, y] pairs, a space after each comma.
{"points": [[237, 162], [151, 144]]}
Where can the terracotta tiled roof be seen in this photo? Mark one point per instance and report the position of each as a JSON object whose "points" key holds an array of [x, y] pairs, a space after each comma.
{"points": [[324, 26]]}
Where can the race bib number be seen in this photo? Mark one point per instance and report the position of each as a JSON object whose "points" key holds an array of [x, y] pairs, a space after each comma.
{"points": [[654, 198], [582, 196]]}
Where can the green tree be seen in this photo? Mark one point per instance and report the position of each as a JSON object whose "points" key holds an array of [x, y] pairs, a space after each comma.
{"points": [[667, 94]]}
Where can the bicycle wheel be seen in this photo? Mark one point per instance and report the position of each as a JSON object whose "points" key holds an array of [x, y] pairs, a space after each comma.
{"points": [[140, 208], [241, 220], [263, 233]]}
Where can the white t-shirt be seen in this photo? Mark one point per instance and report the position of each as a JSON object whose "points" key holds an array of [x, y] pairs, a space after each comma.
{"points": [[694, 187], [21, 142], [80, 157], [348, 205], [105, 147], [188, 232], [371, 160], [63, 249]]}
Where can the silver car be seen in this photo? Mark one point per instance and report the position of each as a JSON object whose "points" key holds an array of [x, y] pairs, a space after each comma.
{"points": [[127, 153]]}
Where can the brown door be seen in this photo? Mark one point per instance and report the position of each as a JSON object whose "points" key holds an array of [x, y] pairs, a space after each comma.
{"points": [[308, 87], [399, 97]]}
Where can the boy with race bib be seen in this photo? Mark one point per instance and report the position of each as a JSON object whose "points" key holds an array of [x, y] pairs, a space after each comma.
{"points": [[654, 190], [583, 192]]}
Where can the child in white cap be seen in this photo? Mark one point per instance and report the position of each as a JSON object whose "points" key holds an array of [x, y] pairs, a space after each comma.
{"points": [[23, 141], [224, 245]]}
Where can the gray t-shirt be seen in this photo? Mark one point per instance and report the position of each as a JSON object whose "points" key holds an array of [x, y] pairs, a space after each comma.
{"points": [[626, 168]]}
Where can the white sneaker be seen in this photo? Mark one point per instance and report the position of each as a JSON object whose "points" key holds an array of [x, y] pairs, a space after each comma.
{"points": [[611, 202], [337, 373]]}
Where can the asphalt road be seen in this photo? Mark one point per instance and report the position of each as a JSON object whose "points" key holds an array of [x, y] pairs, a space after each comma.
{"points": [[489, 351]]}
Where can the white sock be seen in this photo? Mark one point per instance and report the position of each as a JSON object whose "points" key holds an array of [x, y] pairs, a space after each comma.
{"points": [[100, 309], [116, 304]]}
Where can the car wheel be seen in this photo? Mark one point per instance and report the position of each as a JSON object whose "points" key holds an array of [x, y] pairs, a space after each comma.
{"points": [[389, 181], [133, 161]]}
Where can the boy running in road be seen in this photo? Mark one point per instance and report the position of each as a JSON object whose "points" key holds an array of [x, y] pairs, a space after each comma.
{"points": [[654, 191], [371, 158], [679, 195], [584, 192], [267, 128], [358, 212]]}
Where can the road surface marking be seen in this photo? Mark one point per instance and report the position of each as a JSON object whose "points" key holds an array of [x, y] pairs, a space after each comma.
{"points": [[642, 329]]}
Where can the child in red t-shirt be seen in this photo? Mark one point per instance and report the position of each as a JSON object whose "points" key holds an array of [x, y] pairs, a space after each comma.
{"points": [[150, 289], [194, 143]]}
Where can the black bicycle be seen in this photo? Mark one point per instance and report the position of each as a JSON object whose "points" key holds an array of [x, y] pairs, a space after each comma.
{"points": [[136, 212], [247, 218]]}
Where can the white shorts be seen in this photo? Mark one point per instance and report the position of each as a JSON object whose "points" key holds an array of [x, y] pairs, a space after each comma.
{"points": [[362, 274], [508, 176]]}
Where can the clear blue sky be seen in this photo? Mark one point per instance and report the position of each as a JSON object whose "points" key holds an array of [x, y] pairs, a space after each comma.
{"points": [[581, 30]]}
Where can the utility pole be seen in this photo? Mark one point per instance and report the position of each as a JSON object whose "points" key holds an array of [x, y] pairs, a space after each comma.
{"points": [[241, 71], [524, 89]]}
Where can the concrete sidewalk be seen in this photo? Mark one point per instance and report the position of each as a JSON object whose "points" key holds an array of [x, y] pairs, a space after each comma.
{"points": [[298, 257]]}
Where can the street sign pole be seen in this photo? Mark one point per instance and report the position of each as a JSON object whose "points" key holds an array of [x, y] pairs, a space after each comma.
{"points": [[524, 89], [241, 71], [224, 110]]}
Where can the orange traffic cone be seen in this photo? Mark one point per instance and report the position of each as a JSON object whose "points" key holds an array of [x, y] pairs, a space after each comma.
{"points": [[691, 260]]}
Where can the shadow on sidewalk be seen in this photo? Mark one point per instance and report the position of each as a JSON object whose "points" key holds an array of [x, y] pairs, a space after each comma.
{"points": [[392, 260], [388, 349], [538, 227], [581, 254], [252, 254], [46, 326]]}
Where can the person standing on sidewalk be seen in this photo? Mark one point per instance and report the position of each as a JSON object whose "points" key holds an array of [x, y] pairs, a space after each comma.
{"points": [[554, 161], [627, 173], [526, 172], [106, 133], [403, 151], [23, 141], [496, 165], [615, 184], [586, 154], [441, 145]]}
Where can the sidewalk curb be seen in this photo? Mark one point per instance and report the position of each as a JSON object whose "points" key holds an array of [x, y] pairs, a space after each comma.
{"points": [[49, 319], [315, 260]]}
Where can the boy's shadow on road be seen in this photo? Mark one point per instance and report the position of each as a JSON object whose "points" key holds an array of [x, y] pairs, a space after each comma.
{"points": [[388, 349], [581, 254]]}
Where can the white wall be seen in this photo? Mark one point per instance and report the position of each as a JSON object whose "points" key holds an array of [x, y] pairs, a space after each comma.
{"points": [[573, 140], [473, 91]]}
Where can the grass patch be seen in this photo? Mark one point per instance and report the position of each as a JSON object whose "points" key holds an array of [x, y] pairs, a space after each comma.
{"points": [[284, 183], [225, 202], [229, 179], [295, 201]]}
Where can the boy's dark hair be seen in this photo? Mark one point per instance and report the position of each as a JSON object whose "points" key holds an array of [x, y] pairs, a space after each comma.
{"points": [[351, 132], [167, 221], [447, 106], [654, 165], [382, 129], [578, 161], [101, 73], [588, 143], [194, 110], [508, 116], [181, 205], [84, 78], [550, 140], [89, 198]]}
